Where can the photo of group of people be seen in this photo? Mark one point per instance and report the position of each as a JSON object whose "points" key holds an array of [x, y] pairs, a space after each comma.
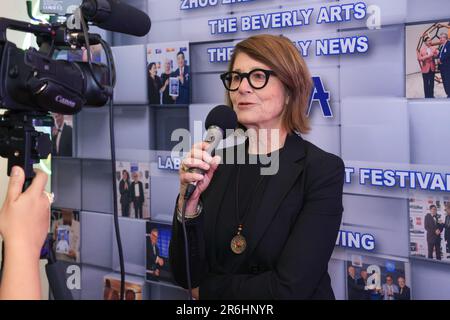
{"points": [[429, 227], [157, 247], [428, 60], [65, 228], [168, 73], [111, 288], [375, 278], [133, 189]]}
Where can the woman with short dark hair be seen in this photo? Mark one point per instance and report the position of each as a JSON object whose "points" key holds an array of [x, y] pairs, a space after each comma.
{"points": [[254, 235]]}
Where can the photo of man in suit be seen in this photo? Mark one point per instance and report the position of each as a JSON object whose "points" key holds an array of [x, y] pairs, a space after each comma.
{"points": [[362, 283], [183, 75], [61, 137], [434, 229], [447, 229], [137, 195], [354, 289], [404, 292], [154, 258], [444, 62]]}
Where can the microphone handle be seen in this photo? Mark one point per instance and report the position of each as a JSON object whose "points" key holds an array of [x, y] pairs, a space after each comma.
{"points": [[213, 137]]}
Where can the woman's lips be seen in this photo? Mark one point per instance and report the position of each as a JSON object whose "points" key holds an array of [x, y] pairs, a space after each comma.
{"points": [[245, 104]]}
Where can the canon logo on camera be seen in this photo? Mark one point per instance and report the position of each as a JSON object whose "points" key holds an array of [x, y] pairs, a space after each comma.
{"points": [[65, 101]]}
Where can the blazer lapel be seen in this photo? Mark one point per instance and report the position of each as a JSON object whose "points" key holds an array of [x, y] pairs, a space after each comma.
{"points": [[277, 188]]}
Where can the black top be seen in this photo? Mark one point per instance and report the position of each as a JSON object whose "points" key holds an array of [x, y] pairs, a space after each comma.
{"points": [[250, 192], [154, 85], [289, 241]]}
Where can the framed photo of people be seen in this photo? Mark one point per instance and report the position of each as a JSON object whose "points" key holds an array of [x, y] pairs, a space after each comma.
{"points": [[429, 227], [158, 237], [133, 189], [134, 288], [428, 60], [62, 135], [377, 278], [168, 73], [65, 227]]}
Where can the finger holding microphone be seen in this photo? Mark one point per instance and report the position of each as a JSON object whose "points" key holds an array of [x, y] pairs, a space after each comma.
{"points": [[197, 169]]}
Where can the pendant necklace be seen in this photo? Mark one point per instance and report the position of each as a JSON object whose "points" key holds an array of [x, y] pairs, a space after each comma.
{"points": [[239, 243]]}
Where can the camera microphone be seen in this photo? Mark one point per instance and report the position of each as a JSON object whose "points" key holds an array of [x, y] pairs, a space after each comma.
{"points": [[116, 16]]}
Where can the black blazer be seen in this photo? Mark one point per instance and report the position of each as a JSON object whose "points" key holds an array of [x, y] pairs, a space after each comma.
{"points": [[125, 194], [141, 192], [65, 142], [404, 295], [431, 226], [289, 242]]}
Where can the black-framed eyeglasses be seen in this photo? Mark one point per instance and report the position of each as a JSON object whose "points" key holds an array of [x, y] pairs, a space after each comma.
{"points": [[257, 78]]}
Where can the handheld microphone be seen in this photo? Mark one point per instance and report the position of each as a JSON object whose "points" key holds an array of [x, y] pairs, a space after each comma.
{"points": [[219, 123], [116, 16]]}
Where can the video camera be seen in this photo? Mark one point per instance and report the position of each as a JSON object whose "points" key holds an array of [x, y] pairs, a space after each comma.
{"points": [[33, 82]]}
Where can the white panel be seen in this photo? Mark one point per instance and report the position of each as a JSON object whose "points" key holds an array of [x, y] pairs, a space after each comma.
{"points": [[96, 238], [430, 131], [66, 182], [165, 185], [132, 232], [434, 10], [375, 129], [132, 127], [327, 138], [93, 133], [131, 84], [431, 281], [380, 71], [336, 269], [384, 218]]}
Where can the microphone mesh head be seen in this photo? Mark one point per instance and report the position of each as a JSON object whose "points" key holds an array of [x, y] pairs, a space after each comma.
{"points": [[223, 117]]}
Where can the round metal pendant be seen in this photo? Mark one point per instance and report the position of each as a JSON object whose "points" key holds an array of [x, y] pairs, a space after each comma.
{"points": [[238, 244]]}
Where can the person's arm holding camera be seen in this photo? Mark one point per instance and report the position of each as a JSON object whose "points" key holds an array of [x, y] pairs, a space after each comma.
{"points": [[24, 223]]}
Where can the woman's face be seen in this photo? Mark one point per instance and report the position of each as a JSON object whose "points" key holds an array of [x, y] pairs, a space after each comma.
{"points": [[153, 70], [257, 108]]}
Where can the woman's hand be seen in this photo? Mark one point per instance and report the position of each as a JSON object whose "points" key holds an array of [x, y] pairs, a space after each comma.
{"points": [[24, 223], [195, 293], [25, 217], [196, 158]]}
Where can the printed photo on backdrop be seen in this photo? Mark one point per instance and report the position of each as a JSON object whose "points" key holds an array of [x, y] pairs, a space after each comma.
{"points": [[62, 135], [168, 73], [111, 288], [376, 278], [158, 237], [428, 60], [429, 227], [133, 189], [66, 234]]}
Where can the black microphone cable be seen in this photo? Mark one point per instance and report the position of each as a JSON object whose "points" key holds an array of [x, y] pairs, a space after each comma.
{"points": [[111, 70], [186, 196], [111, 81]]}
